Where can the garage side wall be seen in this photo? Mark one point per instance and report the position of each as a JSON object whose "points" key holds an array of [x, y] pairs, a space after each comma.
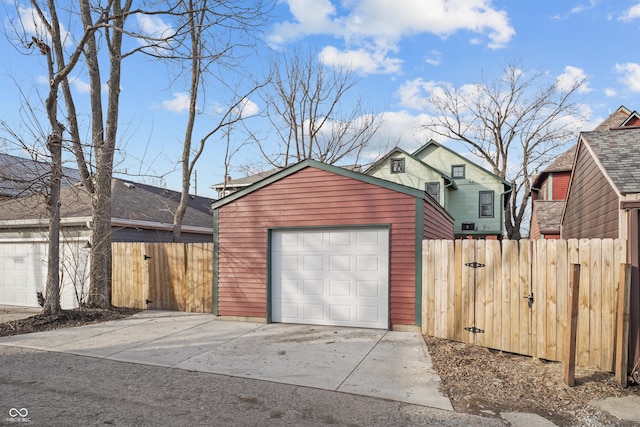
{"points": [[435, 225], [310, 198]]}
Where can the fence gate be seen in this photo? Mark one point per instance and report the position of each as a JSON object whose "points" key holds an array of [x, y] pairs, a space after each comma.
{"points": [[163, 276], [518, 299]]}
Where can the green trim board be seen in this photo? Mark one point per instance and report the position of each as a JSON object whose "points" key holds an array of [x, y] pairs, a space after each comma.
{"points": [[215, 262], [269, 272]]}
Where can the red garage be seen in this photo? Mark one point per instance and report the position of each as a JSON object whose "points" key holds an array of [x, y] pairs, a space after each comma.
{"points": [[319, 244]]}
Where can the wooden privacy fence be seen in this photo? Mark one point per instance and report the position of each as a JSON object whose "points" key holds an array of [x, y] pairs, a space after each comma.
{"points": [[518, 295], [163, 276]]}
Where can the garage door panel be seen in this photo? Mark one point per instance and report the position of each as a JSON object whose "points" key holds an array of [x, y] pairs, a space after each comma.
{"points": [[339, 277]]}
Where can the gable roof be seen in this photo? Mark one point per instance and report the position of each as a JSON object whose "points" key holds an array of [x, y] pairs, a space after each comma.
{"points": [[432, 142], [132, 203], [245, 181], [332, 169], [20, 176], [377, 164], [615, 119], [617, 153]]}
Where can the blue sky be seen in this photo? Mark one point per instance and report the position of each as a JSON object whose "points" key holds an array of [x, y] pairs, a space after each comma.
{"points": [[399, 49]]}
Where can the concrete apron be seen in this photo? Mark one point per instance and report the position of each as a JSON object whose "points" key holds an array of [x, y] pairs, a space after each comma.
{"points": [[369, 362]]}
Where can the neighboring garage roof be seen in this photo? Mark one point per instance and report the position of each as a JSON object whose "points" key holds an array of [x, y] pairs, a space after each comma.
{"points": [[333, 169], [616, 150], [132, 202], [21, 177]]}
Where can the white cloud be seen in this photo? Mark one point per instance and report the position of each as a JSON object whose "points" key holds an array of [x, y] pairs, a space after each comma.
{"points": [[610, 93], [570, 77], [630, 75], [153, 26], [178, 104], [435, 58], [80, 86], [632, 13], [248, 108], [360, 60], [582, 7], [414, 94], [372, 29], [34, 26]]}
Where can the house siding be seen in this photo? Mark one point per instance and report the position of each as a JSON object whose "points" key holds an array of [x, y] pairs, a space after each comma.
{"points": [[436, 226], [560, 185], [592, 204], [311, 197]]}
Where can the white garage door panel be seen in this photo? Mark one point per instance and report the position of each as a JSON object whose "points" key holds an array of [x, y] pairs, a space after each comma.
{"points": [[331, 277], [24, 272]]}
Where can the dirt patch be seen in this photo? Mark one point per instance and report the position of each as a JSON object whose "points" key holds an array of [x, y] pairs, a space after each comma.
{"points": [[64, 319], [487, 382]]}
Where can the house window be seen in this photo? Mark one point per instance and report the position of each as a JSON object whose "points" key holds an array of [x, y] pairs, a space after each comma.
{"points": [[397, 165], [486, 204], [433, 189], [457, 171]]}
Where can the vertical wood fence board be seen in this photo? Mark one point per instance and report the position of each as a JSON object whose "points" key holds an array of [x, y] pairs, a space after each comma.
{"points": [[481, 291], [583, 308], [428, 287], [608, 307], [458, 324], [562, 295], [551, 346], [516, 298], [489, 284], [595, 306], [448, 248], [525, 289], [496, 321], [540, 294]]}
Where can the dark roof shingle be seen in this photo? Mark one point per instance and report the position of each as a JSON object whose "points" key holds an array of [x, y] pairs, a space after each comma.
{"points": [[618, 151]]}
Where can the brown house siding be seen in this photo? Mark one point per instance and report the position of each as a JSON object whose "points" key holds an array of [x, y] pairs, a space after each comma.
{"points": [[534, 232], [592, 204], [311, 197]]}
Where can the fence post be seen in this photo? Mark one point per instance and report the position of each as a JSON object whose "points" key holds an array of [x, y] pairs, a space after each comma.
{"points": [[570, 349], [622, 326]]}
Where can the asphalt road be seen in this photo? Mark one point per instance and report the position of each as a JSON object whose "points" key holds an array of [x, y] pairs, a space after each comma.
{"points": [[55, 389]]}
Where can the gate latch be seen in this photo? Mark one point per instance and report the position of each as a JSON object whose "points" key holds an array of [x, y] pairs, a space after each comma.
{"points": [[530, 298]]}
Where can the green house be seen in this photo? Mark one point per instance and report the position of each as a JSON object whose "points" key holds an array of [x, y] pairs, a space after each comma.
{"points": [[472, 195]]}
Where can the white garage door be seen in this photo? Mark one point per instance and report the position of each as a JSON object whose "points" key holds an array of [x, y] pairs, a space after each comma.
{"points": [[23, 271], [331, 277]]}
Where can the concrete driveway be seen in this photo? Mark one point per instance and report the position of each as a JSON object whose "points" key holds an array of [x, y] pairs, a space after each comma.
{"points": [[370, 362]]}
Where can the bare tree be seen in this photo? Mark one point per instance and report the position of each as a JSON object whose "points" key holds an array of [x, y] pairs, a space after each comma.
{"points": [[306, 104], [209, 39], [50, 44], [516, 123]]}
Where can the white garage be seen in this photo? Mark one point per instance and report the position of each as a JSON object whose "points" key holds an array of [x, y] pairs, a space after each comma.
{"points": [[23, 272], [337, 276]]}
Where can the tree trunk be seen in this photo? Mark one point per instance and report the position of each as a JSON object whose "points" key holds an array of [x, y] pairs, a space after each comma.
{"points": [[52, 300]]}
